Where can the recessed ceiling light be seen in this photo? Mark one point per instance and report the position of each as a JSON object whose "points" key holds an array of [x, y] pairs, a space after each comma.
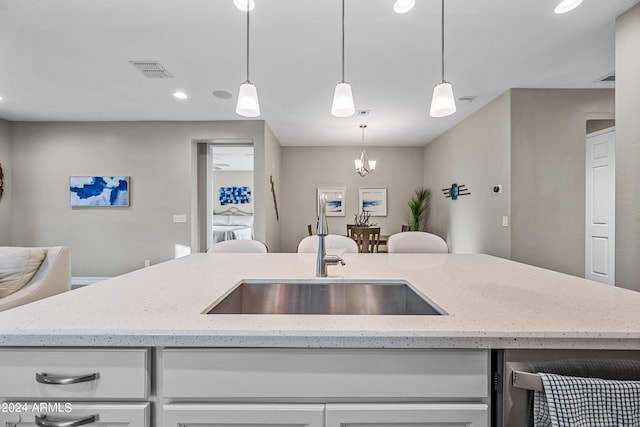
{"points": [[403, 6], [567, 6], [242, 4], [180, 95]]}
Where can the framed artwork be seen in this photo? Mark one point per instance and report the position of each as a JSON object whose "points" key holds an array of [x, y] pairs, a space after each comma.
{"points": [[336, 200], [373, 200], [99, 190], [234, 195]]}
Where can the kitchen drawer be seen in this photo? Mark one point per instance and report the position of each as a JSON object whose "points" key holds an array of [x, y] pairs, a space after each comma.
{"points": [[325, 373], [119, 374], [123, 415]]}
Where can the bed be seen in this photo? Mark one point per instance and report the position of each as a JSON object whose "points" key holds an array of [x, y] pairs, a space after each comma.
{"points": [[232, 224]]}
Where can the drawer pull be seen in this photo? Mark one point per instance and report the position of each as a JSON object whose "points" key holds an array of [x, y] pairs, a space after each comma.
{"points": [[44, 421], [45, 378]]}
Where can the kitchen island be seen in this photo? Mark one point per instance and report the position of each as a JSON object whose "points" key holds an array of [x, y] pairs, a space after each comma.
{"points": [[491, 303], [147, 332]]}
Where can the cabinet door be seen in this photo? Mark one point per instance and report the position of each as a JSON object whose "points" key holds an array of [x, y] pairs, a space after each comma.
{"points": [[411, 415], [14, 414], [242, 415]]}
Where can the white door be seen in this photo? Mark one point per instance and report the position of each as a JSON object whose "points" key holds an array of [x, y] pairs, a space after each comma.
{"points": [[600, 206]]}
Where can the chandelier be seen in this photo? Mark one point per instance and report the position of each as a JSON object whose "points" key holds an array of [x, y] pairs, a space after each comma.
{"points": [[363, 164]]}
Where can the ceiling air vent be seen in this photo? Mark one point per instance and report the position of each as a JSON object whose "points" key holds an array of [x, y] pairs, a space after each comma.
{"points": [[152, 69], [611, 77]]}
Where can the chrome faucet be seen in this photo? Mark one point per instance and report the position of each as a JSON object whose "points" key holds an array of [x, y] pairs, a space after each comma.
{"points": [[323, 259]]}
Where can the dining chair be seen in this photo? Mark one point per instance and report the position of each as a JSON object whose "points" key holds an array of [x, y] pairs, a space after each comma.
{"points": [[367, 238], [331, 241], [414, 242], [350, 230], [310, 230], [239, 246], [405, 228]]}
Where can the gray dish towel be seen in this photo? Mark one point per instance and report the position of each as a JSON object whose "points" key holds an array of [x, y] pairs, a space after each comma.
{"points": [[620, 370], [585, 402]]}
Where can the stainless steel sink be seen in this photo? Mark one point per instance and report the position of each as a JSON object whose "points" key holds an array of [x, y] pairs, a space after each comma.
{"points": [[369, 297]]}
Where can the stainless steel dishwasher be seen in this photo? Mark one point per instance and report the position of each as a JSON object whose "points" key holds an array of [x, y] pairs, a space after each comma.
{"points": [[510, 403]]}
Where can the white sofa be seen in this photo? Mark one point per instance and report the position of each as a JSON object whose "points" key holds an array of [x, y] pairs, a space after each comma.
{"points": [[52, 277]]}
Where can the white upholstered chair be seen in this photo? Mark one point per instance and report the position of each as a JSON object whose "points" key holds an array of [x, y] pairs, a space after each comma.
{"points": [[415, 242], [53, 275], [331, 242], [239, 246]]}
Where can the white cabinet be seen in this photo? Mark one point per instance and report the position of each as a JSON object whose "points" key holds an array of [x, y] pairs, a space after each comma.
{"points": [[122, 415], [410, 415], [72, 386], [243, 415], [334, 387]]}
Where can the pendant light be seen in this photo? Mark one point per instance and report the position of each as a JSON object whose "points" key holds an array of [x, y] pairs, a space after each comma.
{"points": [[248, 105], [442, 103], [363, 164], [342, 97]]}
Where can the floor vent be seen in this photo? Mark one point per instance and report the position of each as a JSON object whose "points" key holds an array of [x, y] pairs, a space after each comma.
{"points": [[152, 69]]}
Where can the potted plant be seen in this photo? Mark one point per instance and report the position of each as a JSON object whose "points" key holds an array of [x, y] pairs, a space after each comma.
{"points": [[418, 209]]}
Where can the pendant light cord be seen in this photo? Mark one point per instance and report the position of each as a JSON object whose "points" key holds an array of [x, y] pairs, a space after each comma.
{"points": [[342, 41], [248, 81], [442, 34]]}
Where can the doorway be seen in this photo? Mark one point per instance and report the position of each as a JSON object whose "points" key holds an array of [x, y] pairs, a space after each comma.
{"points": [[229, 191], [600, 206]]}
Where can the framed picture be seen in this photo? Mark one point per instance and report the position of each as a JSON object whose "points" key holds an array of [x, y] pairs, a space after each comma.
{"points": [[336, 200], [99, 190], [373, 200]]}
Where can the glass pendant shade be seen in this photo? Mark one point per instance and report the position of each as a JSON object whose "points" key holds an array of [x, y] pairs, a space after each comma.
{"points": [[248, 105], [442, 103], [343, 101]]}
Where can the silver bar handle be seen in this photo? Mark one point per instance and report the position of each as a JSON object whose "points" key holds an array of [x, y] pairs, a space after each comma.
{"points": [[526, 380], [44, 378], [45, 421]]}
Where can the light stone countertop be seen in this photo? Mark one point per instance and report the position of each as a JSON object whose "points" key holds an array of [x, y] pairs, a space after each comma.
{"points": [[491, 303]]}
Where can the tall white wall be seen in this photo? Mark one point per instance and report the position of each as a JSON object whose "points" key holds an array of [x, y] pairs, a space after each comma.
{"points": [[304, 169], [7, 166], [628, 149], [474, 153], [158, 156], [271, 168], [548, 152]]}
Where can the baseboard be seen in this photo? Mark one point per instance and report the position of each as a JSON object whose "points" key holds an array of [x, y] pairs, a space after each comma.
{"points": [[78, 282]]}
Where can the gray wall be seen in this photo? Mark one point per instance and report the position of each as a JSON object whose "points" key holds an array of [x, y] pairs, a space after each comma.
{"points": [[628, 149], [304, 169], [159, 158], [5, 202], [548, 129], [474, 153], [271, 168]]}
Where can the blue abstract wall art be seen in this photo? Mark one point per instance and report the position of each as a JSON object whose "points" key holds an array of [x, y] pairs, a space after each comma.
{"points": [[373, 201], [99, 190], [234, 195]]}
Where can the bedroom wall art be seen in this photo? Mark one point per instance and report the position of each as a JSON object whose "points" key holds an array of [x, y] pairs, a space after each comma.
{"points": [[99, 190], [234, 195]]}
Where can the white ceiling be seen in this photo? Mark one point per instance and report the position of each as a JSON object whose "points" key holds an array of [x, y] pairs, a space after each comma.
{"points": [[68, 60]]}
